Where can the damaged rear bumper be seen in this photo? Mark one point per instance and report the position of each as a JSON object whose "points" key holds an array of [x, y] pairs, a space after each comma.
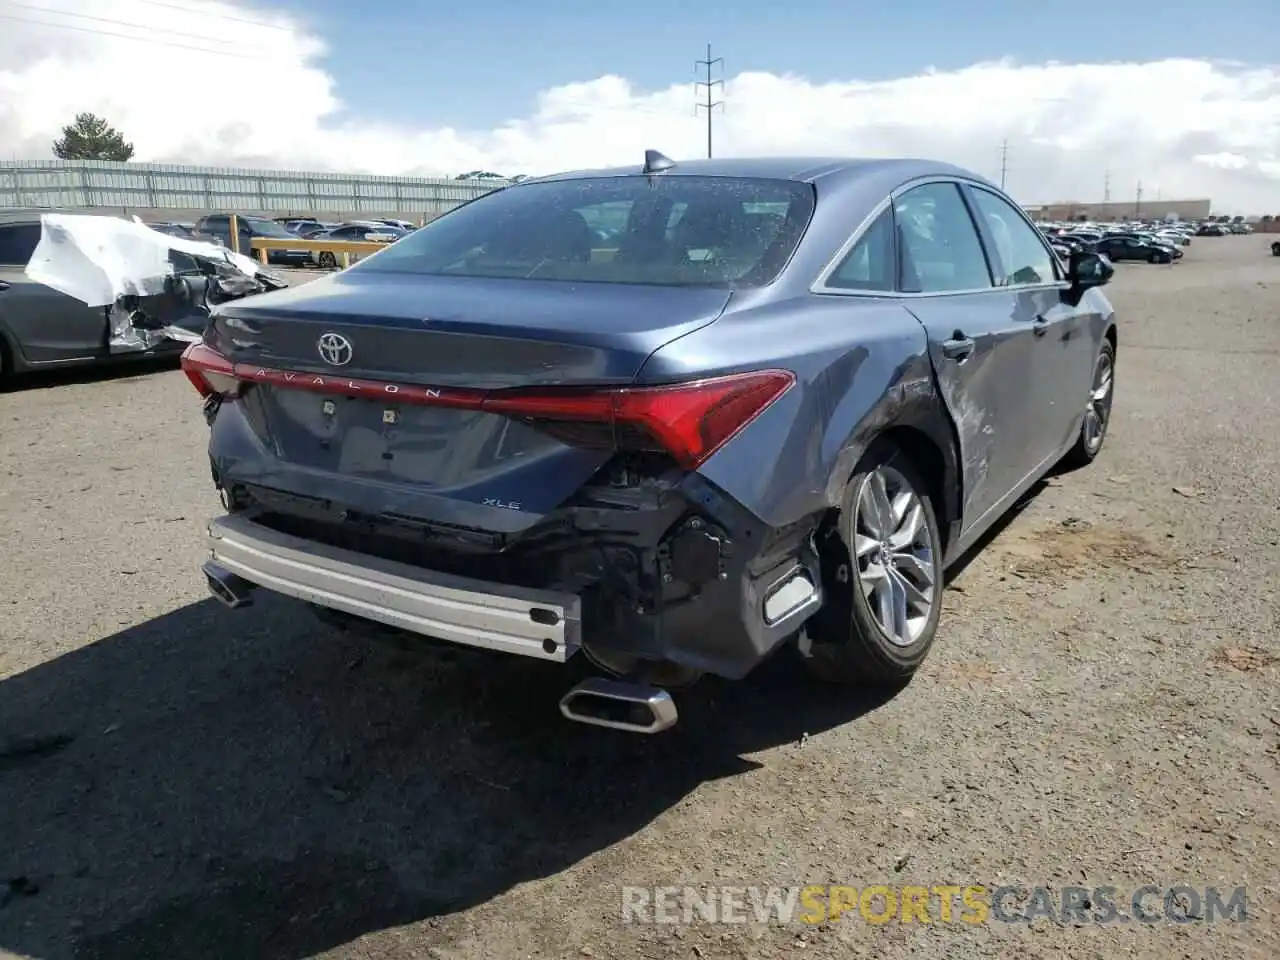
{"points": [[753, 593], [535, 623]]}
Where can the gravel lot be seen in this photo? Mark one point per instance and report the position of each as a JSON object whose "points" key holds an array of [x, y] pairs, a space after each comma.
{"points": [[181, 781]]}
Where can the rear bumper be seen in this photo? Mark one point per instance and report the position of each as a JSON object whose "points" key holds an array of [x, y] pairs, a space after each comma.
{"points": [[535, 623]]}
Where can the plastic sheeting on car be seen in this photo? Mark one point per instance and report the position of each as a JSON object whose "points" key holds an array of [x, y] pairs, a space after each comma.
{"points": [[122, 264]]}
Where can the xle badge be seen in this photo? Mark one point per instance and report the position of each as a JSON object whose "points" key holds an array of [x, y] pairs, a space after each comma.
{"points": [[390, 416]]}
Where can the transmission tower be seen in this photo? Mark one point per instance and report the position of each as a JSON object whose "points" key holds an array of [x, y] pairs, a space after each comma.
{"points": [[710, 103]]}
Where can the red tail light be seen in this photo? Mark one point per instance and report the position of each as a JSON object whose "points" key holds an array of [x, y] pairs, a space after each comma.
{"points": [[209, 371], [690, 421]]}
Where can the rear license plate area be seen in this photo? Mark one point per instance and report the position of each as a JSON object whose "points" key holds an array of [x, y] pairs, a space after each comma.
{"points": [[358, 437]]}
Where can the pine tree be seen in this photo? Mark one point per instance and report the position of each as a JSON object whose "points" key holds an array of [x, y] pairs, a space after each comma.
{"points": [[91, 138]]}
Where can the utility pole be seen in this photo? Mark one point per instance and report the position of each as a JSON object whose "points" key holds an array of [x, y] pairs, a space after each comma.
{"points": [[1004, 162], [1106, 187], [1137, 202], [710, 103]]}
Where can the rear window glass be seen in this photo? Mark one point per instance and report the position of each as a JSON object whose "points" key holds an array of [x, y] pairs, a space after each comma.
{"points": [[670, 231]]}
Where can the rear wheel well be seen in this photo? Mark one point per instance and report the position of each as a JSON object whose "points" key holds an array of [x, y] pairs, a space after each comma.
{"points": [[929, 464]]}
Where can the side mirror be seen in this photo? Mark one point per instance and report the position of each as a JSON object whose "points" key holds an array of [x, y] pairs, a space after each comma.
{"points": [[1089, 270]]}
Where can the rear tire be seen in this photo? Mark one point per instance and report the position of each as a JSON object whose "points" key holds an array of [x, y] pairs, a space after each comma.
{"points": [[882, 574], [1097, 416], [327, 259]]}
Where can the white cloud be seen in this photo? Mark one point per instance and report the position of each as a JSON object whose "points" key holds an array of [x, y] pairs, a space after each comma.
{"points": [[1184, 128], [1223, 161]]}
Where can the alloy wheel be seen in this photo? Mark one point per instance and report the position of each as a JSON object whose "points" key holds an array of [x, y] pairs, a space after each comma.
{"points": [[893, 549], [1097, 412]]}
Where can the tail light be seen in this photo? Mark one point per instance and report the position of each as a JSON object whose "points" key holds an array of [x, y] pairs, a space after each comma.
{"points": [[209, 371], [690, 421]]}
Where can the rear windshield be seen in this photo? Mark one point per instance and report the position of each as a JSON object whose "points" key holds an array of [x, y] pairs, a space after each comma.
{"points": [[665, 230]]}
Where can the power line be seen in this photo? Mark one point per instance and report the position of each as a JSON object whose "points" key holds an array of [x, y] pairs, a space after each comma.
{"points": [[709, 104], [123, 23], [216, 16], [126, 36]]}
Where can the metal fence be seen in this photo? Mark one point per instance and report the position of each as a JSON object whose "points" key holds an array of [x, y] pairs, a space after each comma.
{"points": [[92, 184]]}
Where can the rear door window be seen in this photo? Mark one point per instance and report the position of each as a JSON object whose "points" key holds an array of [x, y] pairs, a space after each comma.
{"points": [[939, 250]]}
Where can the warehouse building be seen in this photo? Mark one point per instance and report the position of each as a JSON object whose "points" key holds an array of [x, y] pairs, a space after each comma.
{"points": [[1113, 210]]}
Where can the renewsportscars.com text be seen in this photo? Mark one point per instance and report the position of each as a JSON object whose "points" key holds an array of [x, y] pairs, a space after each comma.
{"points": [[940, 903]]}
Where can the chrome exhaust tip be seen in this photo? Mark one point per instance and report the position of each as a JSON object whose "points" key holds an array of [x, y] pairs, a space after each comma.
{"points": [[618, 705], [229, 589]]}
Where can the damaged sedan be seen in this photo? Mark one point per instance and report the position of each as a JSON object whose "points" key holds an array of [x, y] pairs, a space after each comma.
{"points": [[79, 289], [766, 413]]}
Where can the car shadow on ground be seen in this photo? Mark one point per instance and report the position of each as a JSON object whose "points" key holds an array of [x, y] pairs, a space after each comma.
{"points": [[253, 785], [100, 371]]}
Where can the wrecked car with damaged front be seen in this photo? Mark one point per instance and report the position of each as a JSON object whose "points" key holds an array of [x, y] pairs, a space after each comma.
{"points": [[77, 289], [672, 418]]}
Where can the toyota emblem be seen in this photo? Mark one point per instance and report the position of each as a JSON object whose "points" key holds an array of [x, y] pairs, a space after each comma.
{"points": [[335, 349]]}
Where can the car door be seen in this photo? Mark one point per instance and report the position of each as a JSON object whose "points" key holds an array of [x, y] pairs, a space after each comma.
{"points": [[980, 345], [1063, 355], [45, 325]]}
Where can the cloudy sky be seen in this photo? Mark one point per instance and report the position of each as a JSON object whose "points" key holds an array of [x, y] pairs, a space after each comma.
{"points": [[1178, 97]]}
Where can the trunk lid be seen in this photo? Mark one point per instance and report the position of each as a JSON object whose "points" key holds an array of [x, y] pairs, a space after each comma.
{"points": [[372, 456], [465, 332]]}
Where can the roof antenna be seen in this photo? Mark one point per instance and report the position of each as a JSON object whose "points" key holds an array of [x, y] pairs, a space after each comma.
{"points": [[655, 162]]}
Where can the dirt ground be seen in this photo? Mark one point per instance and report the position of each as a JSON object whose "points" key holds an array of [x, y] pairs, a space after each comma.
{"points": [[182, 781]]}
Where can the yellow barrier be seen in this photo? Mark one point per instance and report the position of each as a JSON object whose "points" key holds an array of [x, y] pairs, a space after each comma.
{"points": [[341, 248]]}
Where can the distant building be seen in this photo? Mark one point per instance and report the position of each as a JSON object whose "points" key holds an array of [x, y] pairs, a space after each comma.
{"points": [[1121, 210]]}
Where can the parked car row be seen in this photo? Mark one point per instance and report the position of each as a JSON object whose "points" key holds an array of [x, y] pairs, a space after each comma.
{"points": [[1239, 228], [366, 231], [309, 227], [1159, 243], [249, 228], [216, 227]]}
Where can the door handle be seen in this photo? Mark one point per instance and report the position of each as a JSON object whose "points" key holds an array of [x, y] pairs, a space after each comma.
{"points": [[4, 285], [1041, 325], [959, 347]]}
